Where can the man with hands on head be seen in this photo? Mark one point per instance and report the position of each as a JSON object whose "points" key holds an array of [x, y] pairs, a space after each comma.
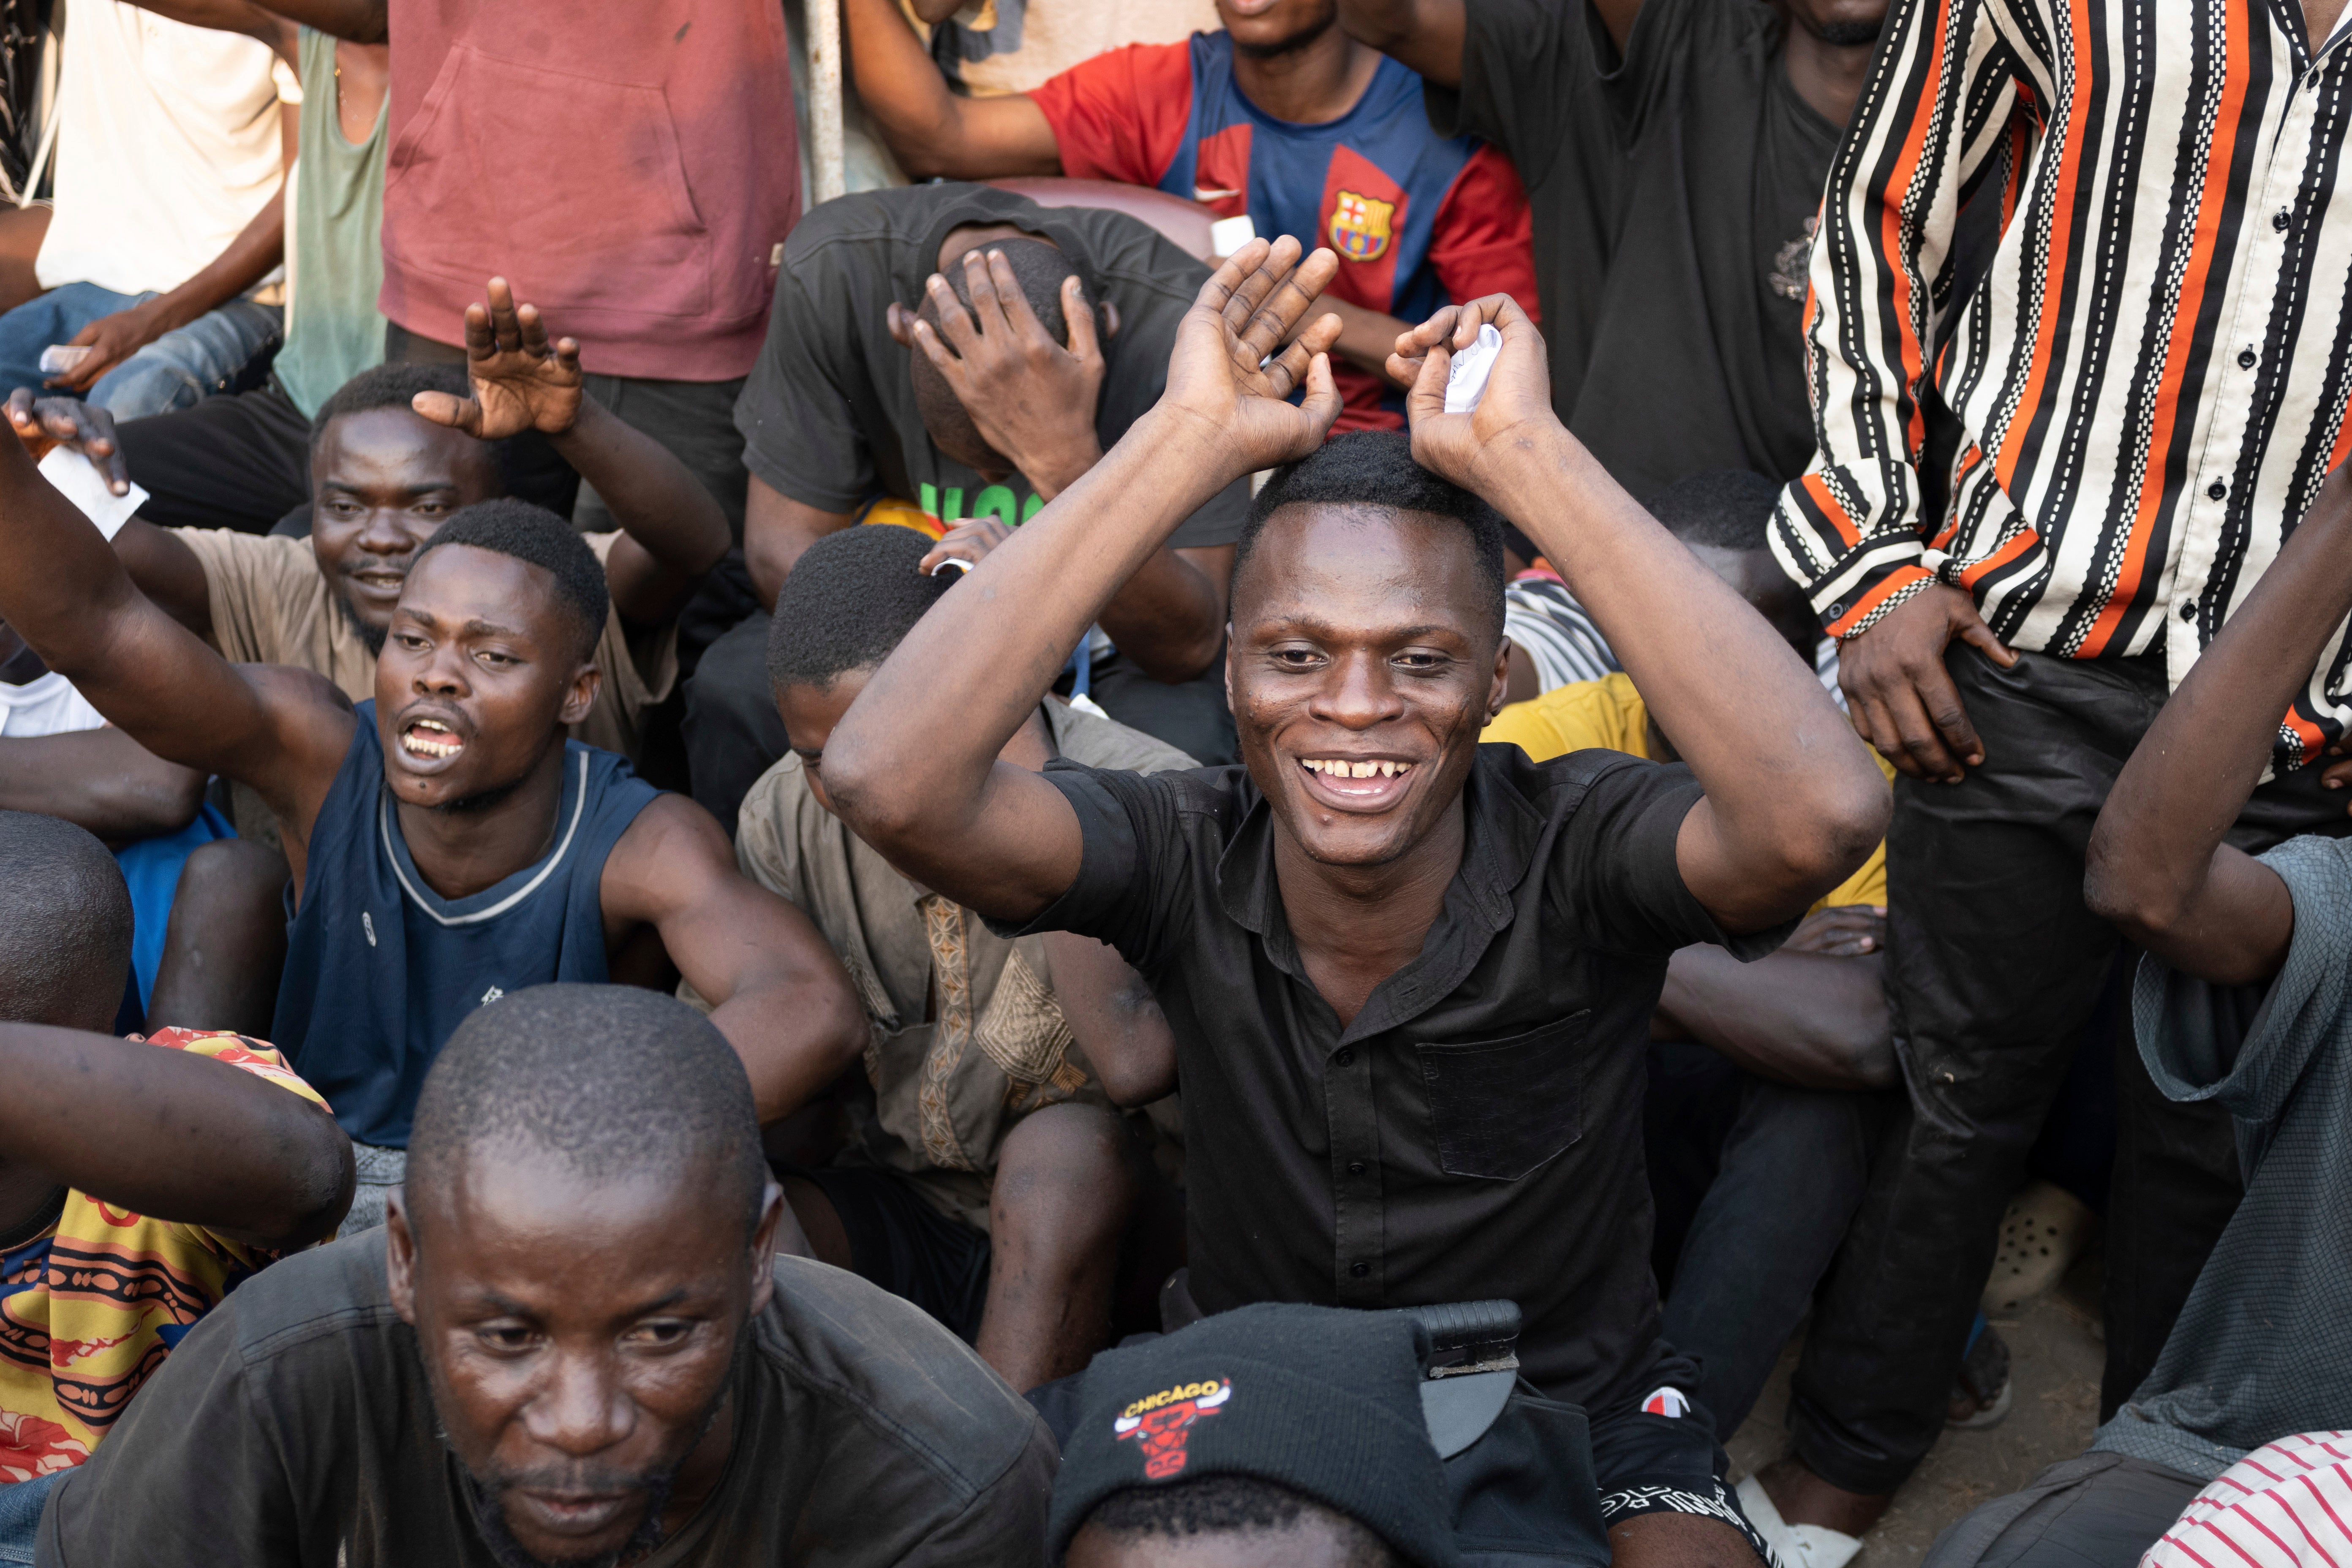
{"points": [[952, 357], [1408, 979], [447, 843]]}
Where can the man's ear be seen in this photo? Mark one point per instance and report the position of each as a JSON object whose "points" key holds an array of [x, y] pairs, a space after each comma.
{"points": [[1499, 694], [901, 323], [400, 1257], [586, 681], [1107, 320], [763, 1248]]}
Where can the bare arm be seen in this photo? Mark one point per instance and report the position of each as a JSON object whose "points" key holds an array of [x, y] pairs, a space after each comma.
{"points": [[100, 780], [172, 1135], [776, 529], [2156, 864], [1425, 35], [931, 130], [1114, 1018], [1813, 1013], [1793, 803], [354, 21], [913, 766], [778, 992]]}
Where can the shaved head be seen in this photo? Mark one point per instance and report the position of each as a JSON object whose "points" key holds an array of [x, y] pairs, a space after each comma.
{"points": [[68, 912]]}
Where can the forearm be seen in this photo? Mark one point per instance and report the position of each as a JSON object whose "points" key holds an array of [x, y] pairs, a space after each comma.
{"points": [[1804, 1018], [100, 780], [259, 247], [1793, 801], [1114, 1019], [675, 524], [2156, 865], [1425, 35], [1169, 619], [795, 1041], [1366, 337], [776, 529], [171, 1135], [931, 130], [355, 21]]}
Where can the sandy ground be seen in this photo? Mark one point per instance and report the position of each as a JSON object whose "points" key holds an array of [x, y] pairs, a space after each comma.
{"points": [[2054, 1356]]}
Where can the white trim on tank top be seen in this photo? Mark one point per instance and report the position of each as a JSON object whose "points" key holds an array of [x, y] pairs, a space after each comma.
{"points": [[384, 825]]}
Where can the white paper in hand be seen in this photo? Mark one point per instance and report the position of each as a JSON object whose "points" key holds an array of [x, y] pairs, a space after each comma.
{"points": [[80, 483], [1465, 381]]}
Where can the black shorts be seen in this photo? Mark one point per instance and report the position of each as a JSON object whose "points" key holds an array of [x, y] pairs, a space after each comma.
{"points": [[1646, 1461], [903, 1245]]}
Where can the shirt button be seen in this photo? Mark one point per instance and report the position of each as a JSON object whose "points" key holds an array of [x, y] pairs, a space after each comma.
{"points": [[1356, 1167], [2245, 359], [2280, 219], [1359, 1269], [2217, 489], [1346, 1057], [2189, 611]]}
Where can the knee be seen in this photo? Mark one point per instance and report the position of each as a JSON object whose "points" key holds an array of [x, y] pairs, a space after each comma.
{"points": [[232, 879], [1062, 1173]]}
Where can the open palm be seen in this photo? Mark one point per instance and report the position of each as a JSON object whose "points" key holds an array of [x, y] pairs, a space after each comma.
{"points": [[1226, 370], [521, 380]]}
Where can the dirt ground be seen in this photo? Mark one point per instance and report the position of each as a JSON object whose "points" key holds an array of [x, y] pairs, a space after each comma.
{"points": [[2054, 1356]]}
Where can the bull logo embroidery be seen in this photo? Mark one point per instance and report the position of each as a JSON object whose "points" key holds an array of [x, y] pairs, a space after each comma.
{"points": [[1361, 226], [1162, 1423]]}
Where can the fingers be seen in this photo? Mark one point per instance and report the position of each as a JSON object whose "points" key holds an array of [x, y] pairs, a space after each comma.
{"points": [[1255, 286], [1979, 636], [1013, 302], [1908, 715], [967, 542], [1322, 403], [505, 330], [1289, 369], [1291, 294], [927, 345], [1079, 318], [534, 331], [2336, 775], [992, 300], [955, 323], [567, 354], [1424, 397], [448, 408], [481, 341], [1217, 293]]}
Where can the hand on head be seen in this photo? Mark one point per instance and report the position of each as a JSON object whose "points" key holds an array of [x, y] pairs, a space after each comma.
{"points": [[44, 422], [521, 380], [1226, 374], [1519, 388]]}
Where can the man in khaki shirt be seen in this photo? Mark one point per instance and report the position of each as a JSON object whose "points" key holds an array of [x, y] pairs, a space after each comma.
{"points": [[397, 451], [986, 1179]]}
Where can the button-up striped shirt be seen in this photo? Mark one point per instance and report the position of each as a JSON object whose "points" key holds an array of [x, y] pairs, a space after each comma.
{"points": [[2150, 379]]}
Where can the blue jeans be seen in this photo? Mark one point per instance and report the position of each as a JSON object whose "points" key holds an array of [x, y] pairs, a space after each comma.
{"points": [[20, 1515], [176, 370]]}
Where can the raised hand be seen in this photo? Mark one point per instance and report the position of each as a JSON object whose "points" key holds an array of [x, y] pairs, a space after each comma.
{"points": [[1031, 400], [1519, 389], [1226, 372], [521, 382], [46, 422]]}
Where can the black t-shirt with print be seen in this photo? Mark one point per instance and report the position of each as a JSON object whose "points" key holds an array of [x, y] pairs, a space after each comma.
{"points": [[1673, 193], [828, 414]]}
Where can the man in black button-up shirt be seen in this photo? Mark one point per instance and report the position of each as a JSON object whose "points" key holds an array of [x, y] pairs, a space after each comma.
{"points": [[1409, 980]]}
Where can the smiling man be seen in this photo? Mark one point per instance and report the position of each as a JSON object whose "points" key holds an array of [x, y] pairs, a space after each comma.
{"points": [[449, 845], [571, 1345], [1409, 979]]}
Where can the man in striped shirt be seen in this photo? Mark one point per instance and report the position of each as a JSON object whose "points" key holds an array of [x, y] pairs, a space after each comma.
{"points": [[2149, 384]]}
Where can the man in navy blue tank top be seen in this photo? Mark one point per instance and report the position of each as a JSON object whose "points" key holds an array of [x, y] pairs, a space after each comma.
{"points": [[448, 844]]}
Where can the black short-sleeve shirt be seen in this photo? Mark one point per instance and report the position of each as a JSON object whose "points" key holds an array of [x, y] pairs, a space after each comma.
{"points": [[1476, 1132], [828, 413], [1673, 194]]}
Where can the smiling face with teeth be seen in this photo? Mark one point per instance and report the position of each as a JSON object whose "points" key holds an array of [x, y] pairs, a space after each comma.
{"points": [[1367, 655]]}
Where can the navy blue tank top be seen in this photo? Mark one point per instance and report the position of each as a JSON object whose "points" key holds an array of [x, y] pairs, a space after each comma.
{"points": [[380, 969]]}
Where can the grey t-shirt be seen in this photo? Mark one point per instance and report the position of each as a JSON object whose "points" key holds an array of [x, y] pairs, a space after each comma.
{"points": [[2263, 1347], [294, 1425]]}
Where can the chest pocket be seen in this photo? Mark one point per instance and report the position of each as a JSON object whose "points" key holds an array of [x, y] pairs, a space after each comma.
{"points": [[1502, 1107]]}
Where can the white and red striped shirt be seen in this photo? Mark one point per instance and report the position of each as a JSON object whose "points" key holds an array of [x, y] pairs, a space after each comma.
{"points": [[2286, 1505], [2150, 379]]}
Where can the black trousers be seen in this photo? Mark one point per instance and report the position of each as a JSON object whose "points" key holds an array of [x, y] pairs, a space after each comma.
{"points": [[733, 733], [240, 462], [1994, 964]]}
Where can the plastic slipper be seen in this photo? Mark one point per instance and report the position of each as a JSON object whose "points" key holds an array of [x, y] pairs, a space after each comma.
{"points": [[1795, 1545]]}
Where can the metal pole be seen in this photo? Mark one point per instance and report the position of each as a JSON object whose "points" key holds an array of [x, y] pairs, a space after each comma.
{"points": [[825, 98]]}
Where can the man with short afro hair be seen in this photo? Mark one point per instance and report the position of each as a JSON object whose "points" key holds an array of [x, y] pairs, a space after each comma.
{"points": [[572, 1343], [987, 1179]]}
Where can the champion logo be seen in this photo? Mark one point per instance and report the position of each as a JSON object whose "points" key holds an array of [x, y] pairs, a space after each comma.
{"points": [[1666, 1401], [492, 995]]}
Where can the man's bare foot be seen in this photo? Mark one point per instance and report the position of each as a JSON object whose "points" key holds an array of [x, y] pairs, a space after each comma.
{"points": [[1803, 1497]]}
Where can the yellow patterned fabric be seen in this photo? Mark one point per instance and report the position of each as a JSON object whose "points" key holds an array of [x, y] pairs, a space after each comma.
{"points": [[90, 1307], [1609, 715]]}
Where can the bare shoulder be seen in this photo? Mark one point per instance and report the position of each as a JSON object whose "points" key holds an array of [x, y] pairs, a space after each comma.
{"points": [[671, 854]]}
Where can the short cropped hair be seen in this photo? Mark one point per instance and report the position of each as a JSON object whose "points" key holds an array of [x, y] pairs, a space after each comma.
{"points": [[1375, 468], [507, 526], [1229, 1504], [852, 597], [613, 1081], [1039, 267], [387, 386], [67, 911], [1731, 508]]}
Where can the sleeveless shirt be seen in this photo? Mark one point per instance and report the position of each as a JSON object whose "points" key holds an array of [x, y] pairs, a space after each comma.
{"points": [[380, 969]]}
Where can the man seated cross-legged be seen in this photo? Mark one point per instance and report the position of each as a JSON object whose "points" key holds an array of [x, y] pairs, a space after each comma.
{"points": [[140, 1181], [987, 1179], [1409, 979], [448, 844], [571, 1343]]}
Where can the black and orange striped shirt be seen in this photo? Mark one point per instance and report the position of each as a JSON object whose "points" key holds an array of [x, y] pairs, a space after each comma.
{"points": [[2150, 379]]}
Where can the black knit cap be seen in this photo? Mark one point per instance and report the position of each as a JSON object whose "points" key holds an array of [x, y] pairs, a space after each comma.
{"points": [[1323, 1402]]}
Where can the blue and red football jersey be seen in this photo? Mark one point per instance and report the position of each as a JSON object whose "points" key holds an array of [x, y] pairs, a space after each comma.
{"points": [[1417, 220]]}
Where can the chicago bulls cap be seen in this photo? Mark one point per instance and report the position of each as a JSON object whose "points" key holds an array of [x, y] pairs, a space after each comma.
{"points": [[1323, 1402]]}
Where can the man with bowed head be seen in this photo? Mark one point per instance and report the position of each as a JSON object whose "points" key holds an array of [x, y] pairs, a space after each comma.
{"points": [[571, 1344], [1408, 979]]}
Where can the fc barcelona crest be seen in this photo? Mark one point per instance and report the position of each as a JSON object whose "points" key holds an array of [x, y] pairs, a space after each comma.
{"points": [[1361, 227]]}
